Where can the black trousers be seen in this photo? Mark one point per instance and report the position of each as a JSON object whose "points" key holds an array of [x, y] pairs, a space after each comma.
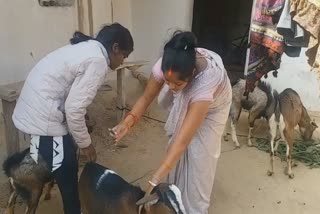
{"points": [[66, 176]]}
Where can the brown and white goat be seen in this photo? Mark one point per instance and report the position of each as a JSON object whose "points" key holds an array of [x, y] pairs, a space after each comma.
{"points": [[102, 191], [290, 113], [260, 103]]}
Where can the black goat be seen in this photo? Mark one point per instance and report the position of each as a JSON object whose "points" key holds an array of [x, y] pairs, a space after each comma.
{"points": [[27, 179], [102, 191]]}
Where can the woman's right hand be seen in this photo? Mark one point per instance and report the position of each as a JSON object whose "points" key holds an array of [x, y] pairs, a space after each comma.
{"points": [[152, 90], [119, 131], [90, 153]]}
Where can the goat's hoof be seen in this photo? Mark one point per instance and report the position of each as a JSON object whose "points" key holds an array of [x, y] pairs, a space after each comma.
{"points": [[250, 145], [237, 146], [294, 164], [270, 173], [291, 176]]}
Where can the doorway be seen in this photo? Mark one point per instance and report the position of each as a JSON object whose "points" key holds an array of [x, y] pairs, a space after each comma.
{"points": [[223, 27]]}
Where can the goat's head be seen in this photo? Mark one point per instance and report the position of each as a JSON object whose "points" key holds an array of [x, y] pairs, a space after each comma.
{"points": [[164, 199], [307, 132]]}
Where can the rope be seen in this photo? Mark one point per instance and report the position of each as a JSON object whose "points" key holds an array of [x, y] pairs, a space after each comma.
{"points": [[150, 118]]}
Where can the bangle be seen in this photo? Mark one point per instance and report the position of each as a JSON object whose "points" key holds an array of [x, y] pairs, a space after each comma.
{"points": [[155, 179], [152, 184]]}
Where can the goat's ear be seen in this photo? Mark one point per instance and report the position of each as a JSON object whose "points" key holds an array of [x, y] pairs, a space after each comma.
{"points": [[153, 198], [314, 124]]}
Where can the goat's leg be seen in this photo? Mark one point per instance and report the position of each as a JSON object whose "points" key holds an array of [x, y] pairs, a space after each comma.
{"points": [[288, 134], [11, 203], [252, 118], [12, 198], [225, 133], [235, 112], [251, 124], [48, 190], [249, 136], [34, 200], [273, 132], [234, 134], [234, 115], [254, 114], [279, 139], [277, 145], [289, 160]]}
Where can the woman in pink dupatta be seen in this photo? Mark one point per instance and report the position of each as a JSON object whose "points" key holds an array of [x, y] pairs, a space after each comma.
{"points": [[194, 87]]}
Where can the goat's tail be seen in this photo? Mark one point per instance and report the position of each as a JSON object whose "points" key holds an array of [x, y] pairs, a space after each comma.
{"points": [[266, 88], [277, 106], [14, 161]]}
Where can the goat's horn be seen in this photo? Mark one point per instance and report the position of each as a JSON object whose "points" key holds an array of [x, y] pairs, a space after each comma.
{"points": [[147, 199]]}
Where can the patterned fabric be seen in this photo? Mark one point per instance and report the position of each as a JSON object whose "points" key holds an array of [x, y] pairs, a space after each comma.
{"points": [[58, 152], [262, 60], [267, 45], [307, 14], [293, 34]]}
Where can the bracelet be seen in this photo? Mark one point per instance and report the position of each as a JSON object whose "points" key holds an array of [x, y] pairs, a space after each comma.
{"points": [[152, 184], [156, 179]]}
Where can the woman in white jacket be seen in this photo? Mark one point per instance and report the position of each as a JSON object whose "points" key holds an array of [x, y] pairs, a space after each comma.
{"points": [[53, 102]]}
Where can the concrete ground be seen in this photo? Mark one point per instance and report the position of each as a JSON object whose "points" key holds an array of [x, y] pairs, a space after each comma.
{"points": [[241, 186]]}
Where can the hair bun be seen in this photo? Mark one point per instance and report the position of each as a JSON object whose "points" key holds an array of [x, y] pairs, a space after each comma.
{"points": [[79, 37], [183, 41]]}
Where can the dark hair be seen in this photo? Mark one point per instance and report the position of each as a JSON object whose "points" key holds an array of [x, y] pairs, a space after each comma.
{"points": [[180, 54], [107, 36]]}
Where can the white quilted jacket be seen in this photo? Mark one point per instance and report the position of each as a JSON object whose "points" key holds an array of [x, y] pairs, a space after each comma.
{"points": [[58, 90]]}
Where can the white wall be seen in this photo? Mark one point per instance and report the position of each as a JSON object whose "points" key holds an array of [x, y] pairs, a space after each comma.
{"points": [[28, 29], [101, 14], [122, 12], [154, 21], [295, 73]]}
